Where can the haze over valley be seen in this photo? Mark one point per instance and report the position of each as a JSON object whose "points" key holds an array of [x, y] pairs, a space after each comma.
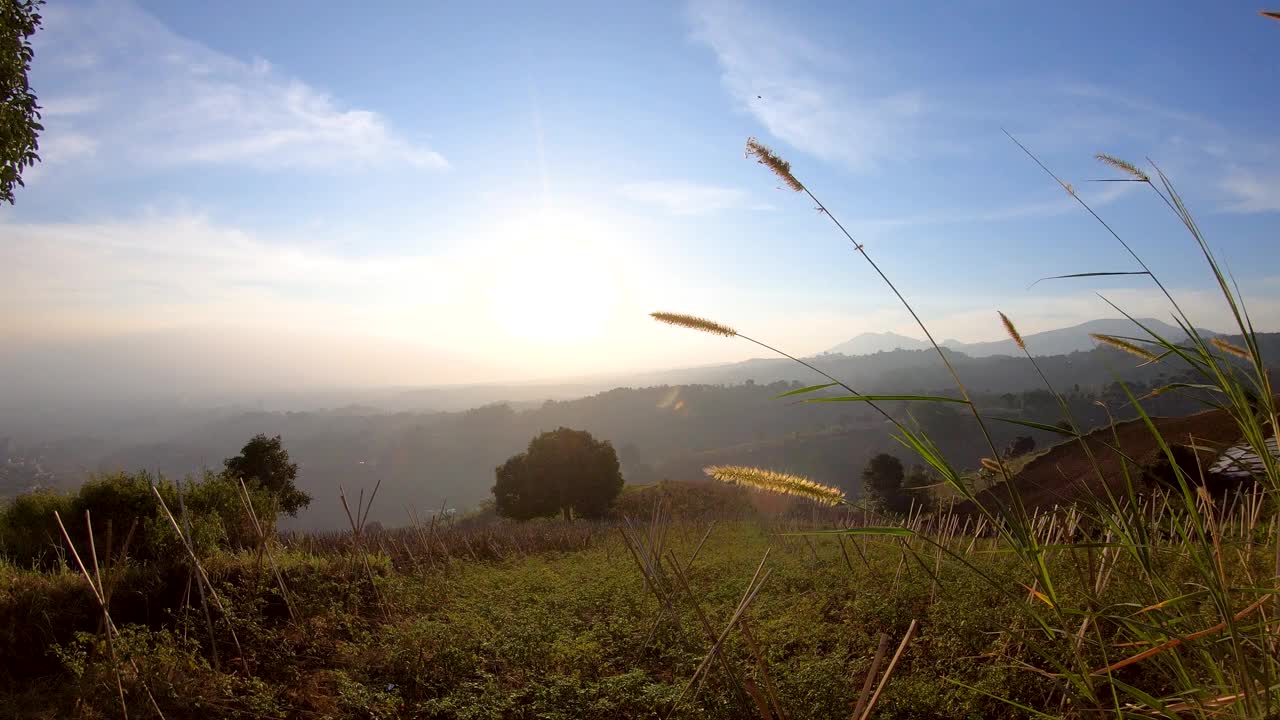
{"points": [[434, 446]]}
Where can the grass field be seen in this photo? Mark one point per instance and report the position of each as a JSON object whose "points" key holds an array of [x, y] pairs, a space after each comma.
{"points": [[547, 633]]}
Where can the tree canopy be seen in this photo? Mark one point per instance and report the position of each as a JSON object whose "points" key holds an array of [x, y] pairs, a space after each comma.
{"points": [[265, 461], [564, 471], [19, 113], [882, 484]]}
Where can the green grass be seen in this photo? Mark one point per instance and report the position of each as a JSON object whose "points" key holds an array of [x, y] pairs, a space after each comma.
{"points": [[562, 634]]}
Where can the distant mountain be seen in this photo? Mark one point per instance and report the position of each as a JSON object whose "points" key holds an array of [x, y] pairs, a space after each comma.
{"points": [[870, 343], [1065, 341], [1062, 341]]}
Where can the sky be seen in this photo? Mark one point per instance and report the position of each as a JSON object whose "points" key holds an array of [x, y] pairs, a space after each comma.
{"points": [[306, 194]]}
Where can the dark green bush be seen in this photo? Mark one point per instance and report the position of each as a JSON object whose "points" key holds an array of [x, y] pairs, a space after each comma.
{"points": [[687, 500], [29, 534], [122, 508]]}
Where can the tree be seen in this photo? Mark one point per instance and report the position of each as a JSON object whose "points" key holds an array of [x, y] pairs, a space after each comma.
{"points": [[882, 484], [264, 461], [19, 113], [564, 471], [1019, 446], [916, 487]]}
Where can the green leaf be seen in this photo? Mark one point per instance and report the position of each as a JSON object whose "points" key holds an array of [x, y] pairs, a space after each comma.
{"points": [[1090, 274], [1034, 425], [881, 530], [804, 390], [878, 398]]}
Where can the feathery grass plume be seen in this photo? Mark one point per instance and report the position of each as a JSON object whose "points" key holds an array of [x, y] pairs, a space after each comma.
{"points": [[1123, 166], [694, 323], [770, 159], [778, 482], [1013, 331], [1231, 348], [1125, 345], [991, 465]]}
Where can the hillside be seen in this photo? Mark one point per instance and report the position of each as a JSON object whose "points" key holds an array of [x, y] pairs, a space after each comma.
{"points": [[1066, 474]]}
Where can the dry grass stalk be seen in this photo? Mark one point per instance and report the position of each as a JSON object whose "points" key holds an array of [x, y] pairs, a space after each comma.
{"points": [[888, 672], [100, 596], [771, 689], [748, 596], [872, 672], [357, 523], [265, 546], [738, 683], [1175, 642], [646, 550], [201, 575], [204, 601]]}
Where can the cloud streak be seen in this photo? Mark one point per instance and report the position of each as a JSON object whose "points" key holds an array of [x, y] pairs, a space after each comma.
{"points": [[682, 197], [1252, 191]]}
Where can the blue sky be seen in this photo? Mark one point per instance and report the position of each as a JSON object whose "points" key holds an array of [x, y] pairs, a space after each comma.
{"points": [[434, 193]]}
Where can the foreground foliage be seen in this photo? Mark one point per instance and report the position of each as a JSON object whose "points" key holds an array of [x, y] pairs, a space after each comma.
{"points": [[575, 634]]}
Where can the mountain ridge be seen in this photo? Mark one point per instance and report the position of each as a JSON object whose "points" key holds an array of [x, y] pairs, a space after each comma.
{"points": [[1058, 341]]}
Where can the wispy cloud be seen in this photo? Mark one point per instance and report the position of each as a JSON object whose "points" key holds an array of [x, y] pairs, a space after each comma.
{"points": [[1252, 191], [181, 270], [682, 197], [133, 87], [810, 98], [1098, 195]]}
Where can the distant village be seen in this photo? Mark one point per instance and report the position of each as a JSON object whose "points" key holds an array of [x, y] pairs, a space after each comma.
{"points": [[21, 471]]}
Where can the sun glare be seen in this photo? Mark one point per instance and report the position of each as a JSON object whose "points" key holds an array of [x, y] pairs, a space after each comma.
{"points": [[555, 281]]}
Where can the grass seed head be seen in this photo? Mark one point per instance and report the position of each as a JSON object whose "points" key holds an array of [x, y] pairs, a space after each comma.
{"points": [[1013, 331], [1125, 345], [1231, 348], [778, 482], [694, 323], [770, 159], [1123, 166]]}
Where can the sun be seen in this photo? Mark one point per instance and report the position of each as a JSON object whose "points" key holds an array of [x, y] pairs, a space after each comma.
{"points": [[555, 280]]}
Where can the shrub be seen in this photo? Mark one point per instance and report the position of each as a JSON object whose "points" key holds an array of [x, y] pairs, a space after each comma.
{"points": [[123, 509], [687, 500], [28, 533]]}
